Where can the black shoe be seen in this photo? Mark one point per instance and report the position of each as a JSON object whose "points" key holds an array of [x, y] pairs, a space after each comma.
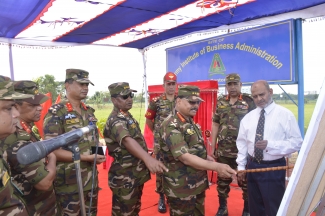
{"points": [[246, 209], [162, 205], [223, 210]]}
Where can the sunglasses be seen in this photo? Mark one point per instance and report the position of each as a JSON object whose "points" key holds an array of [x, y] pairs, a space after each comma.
{"points": [[124, 97], [192, 103], [171, 84]]}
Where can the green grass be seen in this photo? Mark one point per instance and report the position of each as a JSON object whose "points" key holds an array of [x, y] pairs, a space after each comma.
{"points": [[138, 112], [309, 109]]}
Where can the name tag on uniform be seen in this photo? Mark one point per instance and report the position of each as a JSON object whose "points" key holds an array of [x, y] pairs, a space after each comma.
{"points": [[71, 121], [70, 116], [5, 178]]}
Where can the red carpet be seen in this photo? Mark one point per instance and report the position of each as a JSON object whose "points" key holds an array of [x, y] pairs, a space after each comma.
{"points": [[150, 198]]}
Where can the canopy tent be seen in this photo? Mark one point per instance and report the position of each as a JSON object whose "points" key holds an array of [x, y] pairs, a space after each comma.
{"points": [[137, 23]]}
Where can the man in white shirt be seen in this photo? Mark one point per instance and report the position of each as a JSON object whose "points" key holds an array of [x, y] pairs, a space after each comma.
{"points": [[266, 135]]}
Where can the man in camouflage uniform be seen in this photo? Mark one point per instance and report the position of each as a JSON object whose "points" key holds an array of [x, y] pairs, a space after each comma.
{"points": [[230, 110], [158, 109], [132, 163], [34, 181], [68, 115], [185, 155], [10, 202]]}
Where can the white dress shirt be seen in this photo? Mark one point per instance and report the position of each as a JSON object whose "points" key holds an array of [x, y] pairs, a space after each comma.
{"points": [[280, 130]]}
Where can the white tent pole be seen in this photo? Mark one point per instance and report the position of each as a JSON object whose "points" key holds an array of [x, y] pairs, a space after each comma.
{"points": [[11, 65], [146, 95]]}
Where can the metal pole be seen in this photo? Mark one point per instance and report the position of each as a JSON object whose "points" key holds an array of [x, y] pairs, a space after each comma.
{"points": [[145, 77], [300, 71], [11, 65], [76, 160]]}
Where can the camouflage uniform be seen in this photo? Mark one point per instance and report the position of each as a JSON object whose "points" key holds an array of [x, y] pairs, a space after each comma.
{"points": [[159, 108], [10, 202], [228, 116], [183, 185], [24, 177], [62, 118], [127, 173]]}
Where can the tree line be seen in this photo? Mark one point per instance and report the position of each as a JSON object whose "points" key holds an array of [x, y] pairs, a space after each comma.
{"points": [[48, 84]]}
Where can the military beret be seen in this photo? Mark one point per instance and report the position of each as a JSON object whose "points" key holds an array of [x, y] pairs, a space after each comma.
{"points": [[170, 77]]}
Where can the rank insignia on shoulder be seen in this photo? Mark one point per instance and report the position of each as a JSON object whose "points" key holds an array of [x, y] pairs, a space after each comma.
{"points": [[5, 178], [72, 121], [190, 131], [70, 116]]}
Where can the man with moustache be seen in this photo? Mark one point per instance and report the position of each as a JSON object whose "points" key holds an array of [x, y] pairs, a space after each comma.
{"points": [[68, 115], [132, 163], [34, 181], [159, 108], [266, 135], [10, 203], [184, 153], [231, 109]]}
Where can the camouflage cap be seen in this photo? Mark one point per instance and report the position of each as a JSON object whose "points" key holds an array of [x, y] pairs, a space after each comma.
{"points": [[30, 87], [7, 91], [120, 88], [80, 76], [233, 77], [170, 77], [188, 91]]}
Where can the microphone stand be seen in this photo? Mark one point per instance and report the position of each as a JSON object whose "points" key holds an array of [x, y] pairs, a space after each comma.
{"points": [[76, 160]]}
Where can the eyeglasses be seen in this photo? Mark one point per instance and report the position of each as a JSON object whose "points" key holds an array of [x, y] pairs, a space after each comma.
{"points": [[171, 83], [124, 97], [192, 103]]}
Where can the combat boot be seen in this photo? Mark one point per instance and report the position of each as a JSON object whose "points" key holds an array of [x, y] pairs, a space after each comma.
{"points": [[161, 203], [246, 209], [223, 210]]}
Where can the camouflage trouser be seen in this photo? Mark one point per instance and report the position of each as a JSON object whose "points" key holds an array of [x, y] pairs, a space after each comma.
{"points": [[192, 205], [223, 183], [70, 203], [126, 201], [159, 187]]}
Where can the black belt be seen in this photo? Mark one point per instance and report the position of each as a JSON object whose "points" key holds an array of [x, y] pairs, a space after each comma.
{"points": [[250, 158]]}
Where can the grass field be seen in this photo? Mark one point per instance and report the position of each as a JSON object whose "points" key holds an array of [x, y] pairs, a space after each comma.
{"points": [[138, 112]]}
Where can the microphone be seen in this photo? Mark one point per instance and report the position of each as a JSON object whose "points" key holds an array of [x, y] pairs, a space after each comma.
{"points": [[35, 151]]}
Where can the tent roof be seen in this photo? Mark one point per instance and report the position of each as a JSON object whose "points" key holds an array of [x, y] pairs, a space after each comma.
{"points": [[134, 23]]}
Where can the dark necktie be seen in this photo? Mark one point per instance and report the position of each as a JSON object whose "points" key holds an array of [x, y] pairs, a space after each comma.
{"points": [[258, 153]]}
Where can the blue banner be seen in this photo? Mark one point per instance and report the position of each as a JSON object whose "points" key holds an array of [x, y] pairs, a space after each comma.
{"points": [[261, 53]]}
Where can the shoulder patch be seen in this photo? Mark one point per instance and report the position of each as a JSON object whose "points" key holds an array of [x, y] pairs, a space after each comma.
{"points": [[55, 108], [247, 97], [90, 108], [220, 97]]}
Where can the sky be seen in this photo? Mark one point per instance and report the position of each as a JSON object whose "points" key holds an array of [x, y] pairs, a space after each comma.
{"points": [[107, 65]]}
